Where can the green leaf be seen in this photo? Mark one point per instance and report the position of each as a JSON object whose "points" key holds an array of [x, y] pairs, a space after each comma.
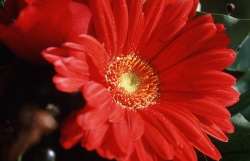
{"points": [[236, 149], [241, 114], [243, 83], [237, 29], [244, 103], [242, 62], [241, 123], [242, 156]]}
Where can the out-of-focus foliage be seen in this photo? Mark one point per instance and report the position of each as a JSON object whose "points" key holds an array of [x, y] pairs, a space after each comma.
{"points": [[242, 62], [237, 149], [243, 83]]}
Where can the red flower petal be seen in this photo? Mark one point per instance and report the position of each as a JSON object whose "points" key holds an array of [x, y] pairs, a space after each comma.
{"points": [[109, 148], [195, 37], [193, 11], [163, 124], [121, 21], [158, 142], [220, 28], [207, 18], [135, 124], [219, 41], [197, 104], [117, 114], [53, 54], [226, 97], [86, 55], [76, 65], [104, 19], [153, 10], [93, 91], [82, 68], [224, 124], [135, 26], [95, 137], [74, 46], [206, 146], [212, 129], [63, 70], [95, 50], [69, 85], [71, 132], [206, 81], [206, 107], [174, 17], [217, 59], [99, 106], [186, 152], [178, 9], [123, 136], [183, 120], [144, 150], [162, 37]]}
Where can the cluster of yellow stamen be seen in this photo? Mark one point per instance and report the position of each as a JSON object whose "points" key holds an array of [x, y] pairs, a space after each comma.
{"points": [[132, 82]]}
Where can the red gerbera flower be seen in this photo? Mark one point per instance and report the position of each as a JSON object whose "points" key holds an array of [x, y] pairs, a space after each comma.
{"points": [[152, 80], [42, 24]]}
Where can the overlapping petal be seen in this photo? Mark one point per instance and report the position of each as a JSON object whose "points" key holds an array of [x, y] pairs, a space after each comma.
{"points": [[71, 133]]}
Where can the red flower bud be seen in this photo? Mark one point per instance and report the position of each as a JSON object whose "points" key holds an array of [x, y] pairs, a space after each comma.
{"points": [[42, 24]]}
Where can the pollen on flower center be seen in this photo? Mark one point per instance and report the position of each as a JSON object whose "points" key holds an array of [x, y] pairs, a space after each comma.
{"points": [[132, 82]]}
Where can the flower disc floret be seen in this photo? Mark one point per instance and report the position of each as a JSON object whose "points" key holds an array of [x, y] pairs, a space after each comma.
{"points": [[132, 82]]}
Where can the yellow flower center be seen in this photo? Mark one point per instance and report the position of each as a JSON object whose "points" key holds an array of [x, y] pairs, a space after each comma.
{"points": [[132, 82]]}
